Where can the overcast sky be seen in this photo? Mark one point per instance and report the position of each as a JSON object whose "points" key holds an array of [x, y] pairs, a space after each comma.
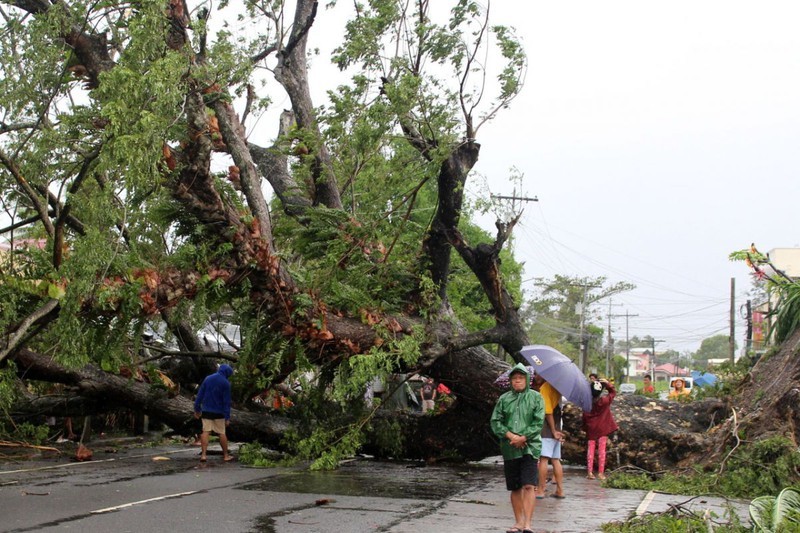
{"points": [[659, 137]]}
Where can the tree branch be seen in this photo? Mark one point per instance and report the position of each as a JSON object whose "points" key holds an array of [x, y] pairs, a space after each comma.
{"points": [[19, 332], [292, 73], [38, 205]]}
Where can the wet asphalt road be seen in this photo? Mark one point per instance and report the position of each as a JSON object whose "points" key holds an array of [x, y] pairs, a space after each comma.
{"points": [[167, 489]]}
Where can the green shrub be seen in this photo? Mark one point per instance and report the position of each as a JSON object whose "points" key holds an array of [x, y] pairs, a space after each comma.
{"points": [[664, 523], [755, 469], [28, 433]]}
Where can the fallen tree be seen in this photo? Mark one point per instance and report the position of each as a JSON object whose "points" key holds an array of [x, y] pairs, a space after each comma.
{"points": [[347, 273]]}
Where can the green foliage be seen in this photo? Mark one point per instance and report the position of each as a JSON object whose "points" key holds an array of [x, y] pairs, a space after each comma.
{"points": [[754, 469], [8, 386], [716, 347], [776, 514], [555, 313], [253, 454], [787, 310], [388, 436], [670, 523], [25, 432], [730, 376], [330, 442], [363, 260]]}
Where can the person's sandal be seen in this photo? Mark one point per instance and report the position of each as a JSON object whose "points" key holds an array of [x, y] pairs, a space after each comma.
{"points": [[590, 476], [601, 476]]}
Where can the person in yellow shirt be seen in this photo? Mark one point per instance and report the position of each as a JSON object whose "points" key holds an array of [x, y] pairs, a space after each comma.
{"points": [[552, 438], [678, 389]]}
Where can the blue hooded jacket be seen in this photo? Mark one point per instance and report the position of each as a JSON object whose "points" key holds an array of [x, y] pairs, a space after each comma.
{"points": [[214, 395]]}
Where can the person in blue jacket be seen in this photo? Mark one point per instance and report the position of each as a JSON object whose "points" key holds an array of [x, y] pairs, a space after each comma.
{"points": [[213, 406], [517, 422]]}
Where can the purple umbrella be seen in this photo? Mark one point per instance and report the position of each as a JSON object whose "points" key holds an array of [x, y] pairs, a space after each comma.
{"points": [[560, 372]]}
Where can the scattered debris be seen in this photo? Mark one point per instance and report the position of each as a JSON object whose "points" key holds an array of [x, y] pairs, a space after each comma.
{"points": [[83, 453]]}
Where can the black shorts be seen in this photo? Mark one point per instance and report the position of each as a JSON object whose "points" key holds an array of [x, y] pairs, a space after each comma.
{"points": [[521, 472]]}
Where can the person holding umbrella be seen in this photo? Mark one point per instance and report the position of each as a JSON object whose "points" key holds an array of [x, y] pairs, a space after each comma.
{"points": [[517, 421], [552, 437]]}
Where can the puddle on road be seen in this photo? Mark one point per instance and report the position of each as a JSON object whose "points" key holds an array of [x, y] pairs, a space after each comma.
{"points": [[382, 479]]}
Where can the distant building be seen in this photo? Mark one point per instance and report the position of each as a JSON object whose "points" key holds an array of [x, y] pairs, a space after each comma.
{"points": [[639, 362], [668, 369], [8, 250], [787, 260]]}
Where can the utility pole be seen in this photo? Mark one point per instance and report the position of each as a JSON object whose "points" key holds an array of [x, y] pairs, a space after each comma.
{"points": [[583, 350], [731, 335], [610, 350], [627, 316], [749, 332], [513, 199], [653, 361]]}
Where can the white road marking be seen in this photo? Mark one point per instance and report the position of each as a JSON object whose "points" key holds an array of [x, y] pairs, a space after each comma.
{"points": [[131, 504], [645, 503], [81, 463]]}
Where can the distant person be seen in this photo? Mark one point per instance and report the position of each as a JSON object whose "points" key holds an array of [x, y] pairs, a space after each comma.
{"points": [[517, 421], [213, 406], [427, 393], [678, 389], [552, 437], [599, 424], [593, 377], [647, 387]]}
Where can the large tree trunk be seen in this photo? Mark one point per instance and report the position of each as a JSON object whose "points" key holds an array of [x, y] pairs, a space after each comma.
{"points": [[654, 435], [103, 391]]}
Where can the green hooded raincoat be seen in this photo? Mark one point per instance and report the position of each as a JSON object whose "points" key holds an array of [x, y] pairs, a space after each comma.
{"points": [[521, 413]]}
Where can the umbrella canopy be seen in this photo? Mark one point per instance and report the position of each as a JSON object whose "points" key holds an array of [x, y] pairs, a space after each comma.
{"points": [[560, 372], [701, 379]]}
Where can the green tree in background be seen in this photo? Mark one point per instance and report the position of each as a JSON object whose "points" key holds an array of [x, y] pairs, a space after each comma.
{"points": [[562, 313], [716, 347]]}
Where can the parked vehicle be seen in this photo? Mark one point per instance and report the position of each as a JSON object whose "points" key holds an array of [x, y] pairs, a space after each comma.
{"points": [[688, 383]]}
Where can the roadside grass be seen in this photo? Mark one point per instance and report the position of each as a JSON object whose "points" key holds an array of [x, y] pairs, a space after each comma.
{"points": [[755, 469]]}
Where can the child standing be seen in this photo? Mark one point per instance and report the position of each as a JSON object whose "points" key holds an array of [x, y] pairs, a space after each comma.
{"points": [[599, 424]]}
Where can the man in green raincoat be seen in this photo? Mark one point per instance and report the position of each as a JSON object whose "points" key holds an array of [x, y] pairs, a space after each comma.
{"points": [[517, 421]]}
